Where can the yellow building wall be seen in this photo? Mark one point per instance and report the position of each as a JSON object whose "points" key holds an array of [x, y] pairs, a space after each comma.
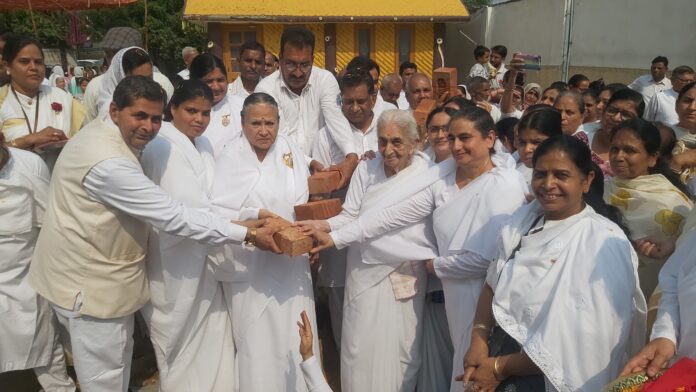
{"points": [[423, 54], [385, 47], [271, 37], [345, 44], [319, 48]]}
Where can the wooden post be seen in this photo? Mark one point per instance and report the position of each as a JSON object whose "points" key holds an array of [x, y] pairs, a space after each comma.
{"points": [[33, 21]]}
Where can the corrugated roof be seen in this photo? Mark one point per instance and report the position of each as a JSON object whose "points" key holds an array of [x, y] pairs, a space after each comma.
{"points": [[325, 11]]}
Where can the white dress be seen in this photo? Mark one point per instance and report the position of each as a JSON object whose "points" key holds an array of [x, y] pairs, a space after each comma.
{"points": [[385, 288], [187, 316], [225, 122], [265, 292]]}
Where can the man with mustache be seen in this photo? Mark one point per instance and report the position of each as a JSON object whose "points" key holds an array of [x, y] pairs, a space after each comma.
{"points": [[89, 257], [251, 67], [307, 98]]}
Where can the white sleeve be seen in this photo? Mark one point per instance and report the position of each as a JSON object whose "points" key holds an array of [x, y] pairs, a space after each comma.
{"points": [[121, 184], [351, 206], [90, 100], [461, 266], [336, 122], [477, 70], [376, 223], [668, 319], [652, 108], [314, 378]]}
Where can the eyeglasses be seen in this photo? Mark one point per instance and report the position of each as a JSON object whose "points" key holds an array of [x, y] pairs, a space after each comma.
{"points": [[436, 128], [612, 111], [291, 66]]}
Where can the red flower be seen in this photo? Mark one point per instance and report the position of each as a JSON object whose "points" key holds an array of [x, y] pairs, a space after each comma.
{"points": [[57, 107]]}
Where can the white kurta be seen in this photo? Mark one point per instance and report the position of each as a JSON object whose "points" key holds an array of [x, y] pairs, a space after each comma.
{"points": [[265, 292], [465, 236], [382, 327], [187, 316], [572, 287], [225, 122], [237, 88], [26, 331]]}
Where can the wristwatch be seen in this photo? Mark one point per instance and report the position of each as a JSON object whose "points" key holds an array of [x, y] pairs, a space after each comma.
{"points": [[250, 241]]}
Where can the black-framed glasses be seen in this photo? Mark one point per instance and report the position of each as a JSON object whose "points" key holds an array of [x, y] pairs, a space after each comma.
{"points": [[437, 128], [292, 66], [625, 116]]}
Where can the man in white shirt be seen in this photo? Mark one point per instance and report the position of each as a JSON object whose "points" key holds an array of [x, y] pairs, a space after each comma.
{"points": [[89, 257], [391, 88], [480, 90], [419, 87], [188, 54], [655, 81], [662, 105], [251, 68], [307, 97], [406, 70], [497, 60], [362, 64]]}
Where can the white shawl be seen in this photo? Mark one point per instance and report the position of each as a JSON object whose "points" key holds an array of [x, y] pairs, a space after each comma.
{"points": [[570, 297], [110, 80], [14, 125], [225, 122]]}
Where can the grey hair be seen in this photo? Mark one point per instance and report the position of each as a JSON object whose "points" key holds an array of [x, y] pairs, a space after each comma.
{"points": [[258, 98], [416, 76], [391, 78], [188, 50], [575, 96], [403, 120]]}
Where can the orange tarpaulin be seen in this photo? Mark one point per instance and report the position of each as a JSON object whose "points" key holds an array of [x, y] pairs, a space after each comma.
{"points": [[57, 5]]}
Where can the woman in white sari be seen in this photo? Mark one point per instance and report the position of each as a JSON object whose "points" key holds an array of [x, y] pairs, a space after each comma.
{"points": [[28, 339], [225, 121], [464, 236], [131, 61], [386, 277], [186, 316], [652, 199], [564, 289], [259, 172], [33, 115]]}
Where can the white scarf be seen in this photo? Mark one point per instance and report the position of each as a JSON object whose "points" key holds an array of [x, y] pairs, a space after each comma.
{"points": [[110, 80], [571, 291], [225, 123]]}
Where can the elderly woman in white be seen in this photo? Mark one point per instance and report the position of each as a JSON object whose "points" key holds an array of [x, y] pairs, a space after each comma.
{"points": [[28, 339], [259, 172], [385, 277], [463, 196]]}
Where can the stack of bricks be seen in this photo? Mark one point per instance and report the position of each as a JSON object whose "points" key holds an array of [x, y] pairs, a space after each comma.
{"points": [[421, 115], [320, 184], [289, 239], [444, 83]]}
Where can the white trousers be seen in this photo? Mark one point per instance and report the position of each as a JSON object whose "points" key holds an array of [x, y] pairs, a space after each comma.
{"points": [[102, 349], [54, 377]]}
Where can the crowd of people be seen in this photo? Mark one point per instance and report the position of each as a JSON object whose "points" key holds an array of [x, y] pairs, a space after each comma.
{"points": [[521, 239]]}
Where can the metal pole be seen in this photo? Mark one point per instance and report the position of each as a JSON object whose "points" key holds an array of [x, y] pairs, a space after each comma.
{"points": [[568, 13]]}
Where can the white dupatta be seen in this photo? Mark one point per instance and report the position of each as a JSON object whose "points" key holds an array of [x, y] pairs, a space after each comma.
{"points": [[570, 297], [225, 122]]}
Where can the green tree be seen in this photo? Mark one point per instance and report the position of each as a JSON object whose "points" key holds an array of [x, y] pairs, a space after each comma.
{"points": [[52, 27]]}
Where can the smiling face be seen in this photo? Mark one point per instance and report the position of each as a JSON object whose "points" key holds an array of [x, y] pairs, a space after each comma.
{"points": [[527, 142], [395, 147], [217, 81], [531, 98], [27, 70], [559, 185], [618, 111], [192, 117], [139, 122], [571, 118], [260, 126], [602, 102], [468, 146], [628, 156], [437, 136]]}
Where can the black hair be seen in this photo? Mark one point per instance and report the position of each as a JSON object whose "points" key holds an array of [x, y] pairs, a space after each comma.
{"points": [[650, 136], [685, 90], [500, 49], [505, 129], [627, 94], [591, 93], [660, 59], [576, 79], [355, 78], [479, 51], [363, 63], [298, 37], [258, 98], [559, 86], [519, 79], [575, 96], [14, 43], [475, 82], [440, 109], [407, 65], [204, 64], [545, 119], [681, 71], [612, 88], [597, 85], [252, 45], [134, 87], [186, 91], [482, 120], [461, 102], [581, 156], [668, 141], [134, 58]]}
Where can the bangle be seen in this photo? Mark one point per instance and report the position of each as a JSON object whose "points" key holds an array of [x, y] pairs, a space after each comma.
{"points": [[482, 326], [13, 143], [496, 369], [251, 239]]}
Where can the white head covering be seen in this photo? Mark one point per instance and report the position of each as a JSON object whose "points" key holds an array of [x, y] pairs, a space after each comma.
{"points": [[110, 80], [56, 72], [78, 72]]}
